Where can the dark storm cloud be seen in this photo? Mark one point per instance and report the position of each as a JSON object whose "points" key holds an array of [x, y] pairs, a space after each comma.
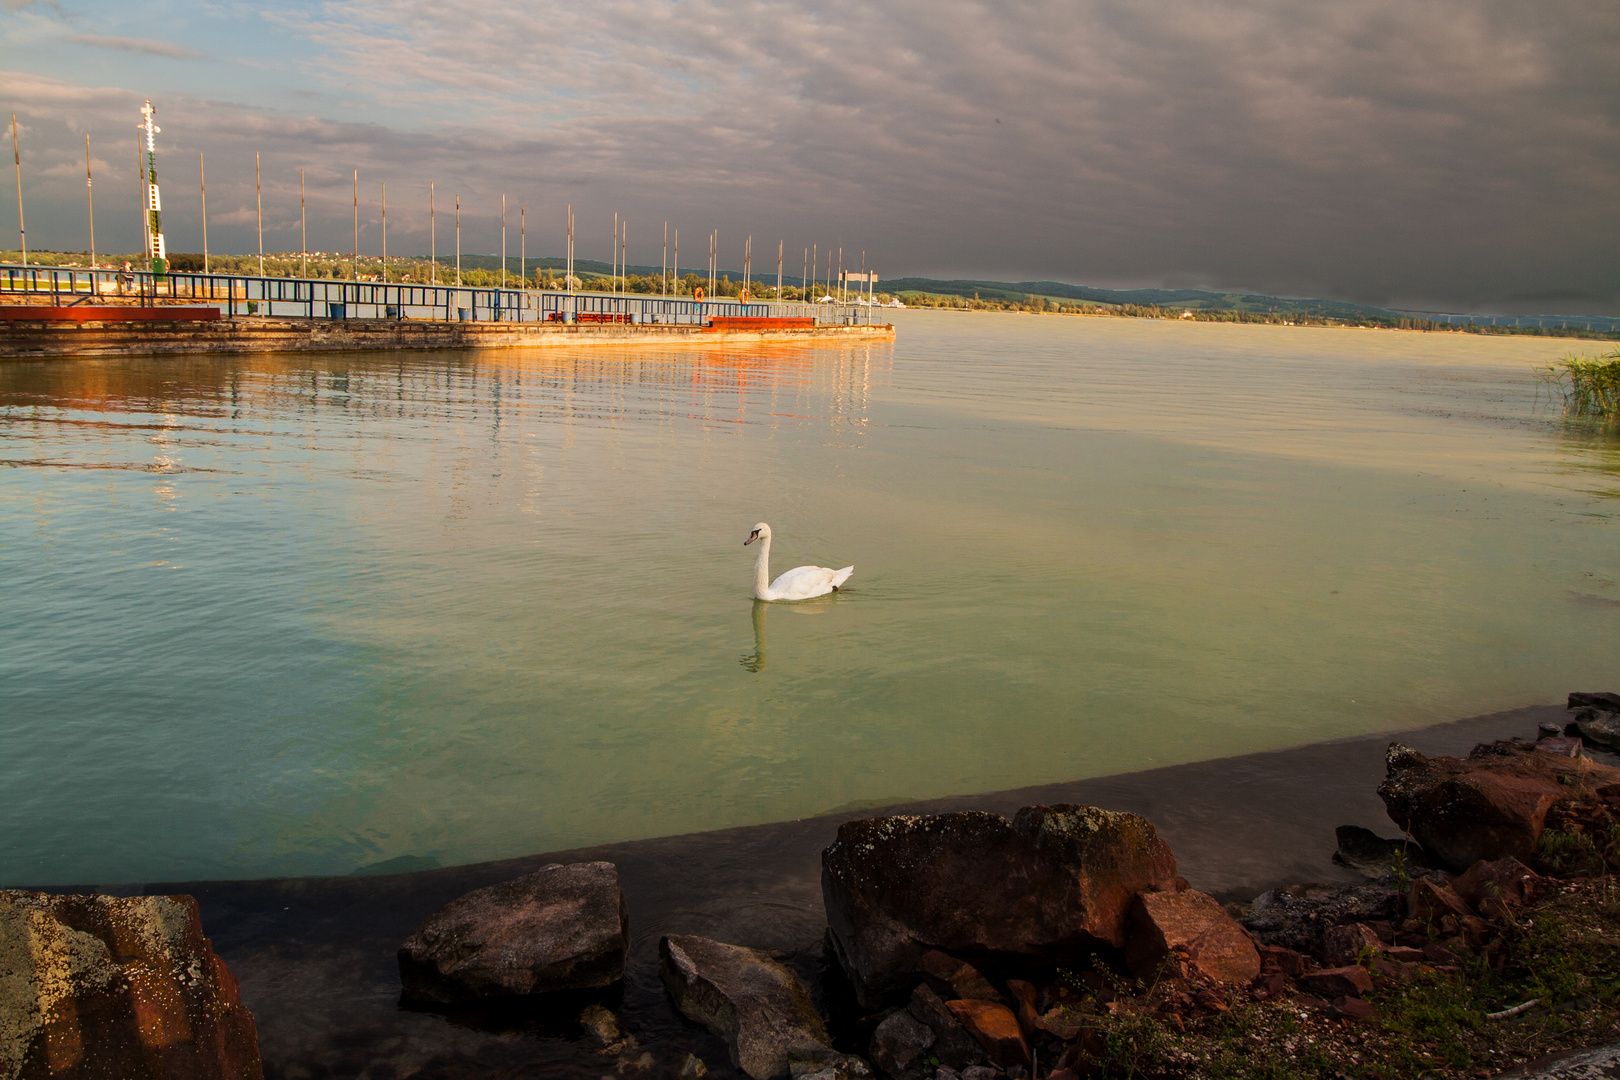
{"points": [[1441, 155]]}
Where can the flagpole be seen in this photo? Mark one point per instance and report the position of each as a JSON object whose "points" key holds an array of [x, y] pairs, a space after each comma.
{"points": [[90, 198], [258, 196], [202, 187], [16, 157]]}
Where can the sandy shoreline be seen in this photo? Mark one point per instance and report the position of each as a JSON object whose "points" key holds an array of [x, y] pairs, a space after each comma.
{"points": [[316, 955]]}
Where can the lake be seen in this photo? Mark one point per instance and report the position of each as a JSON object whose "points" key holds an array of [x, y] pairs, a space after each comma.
{"points": [[279, 615]]}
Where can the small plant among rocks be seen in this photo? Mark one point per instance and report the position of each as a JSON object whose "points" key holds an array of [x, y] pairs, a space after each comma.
{"points": [[1459, 1015]]}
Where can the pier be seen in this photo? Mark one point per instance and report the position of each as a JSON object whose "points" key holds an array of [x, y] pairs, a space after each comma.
{"points": [[72, 311]]}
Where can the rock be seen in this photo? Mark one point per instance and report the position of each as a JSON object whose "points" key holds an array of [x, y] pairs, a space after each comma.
{"points": [[1352, 1008], [1287, 961], [126, 987], [1602, 728], [1492, 804], [559, 928], [1429, 901], [1054, 883], [1364, 850], [603, 1027], [1194, 926], [980, 1072], [757, 1005], [1064, 1021], [600, 1023], [811, 1061], [1570, 1065], [1435, 953], [1563, 747], [1344, 944], [961, 979], [1606, 702], [1549, 729], [693, 1068], [1330, 983], [900, 1047], [997, 1030], [1299, 916], [1390, 969], [1268, 985], [953, 1046], [1025, 997], [1507, 880]]}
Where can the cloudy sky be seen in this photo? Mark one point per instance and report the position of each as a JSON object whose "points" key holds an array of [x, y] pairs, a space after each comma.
{"points": [[1451, 156]]}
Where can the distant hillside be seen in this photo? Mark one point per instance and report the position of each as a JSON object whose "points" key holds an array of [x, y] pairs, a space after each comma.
{"points": [[1194, 299]]}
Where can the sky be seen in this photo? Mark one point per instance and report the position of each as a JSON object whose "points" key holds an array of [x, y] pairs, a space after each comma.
{"points": [[1457, 156]]}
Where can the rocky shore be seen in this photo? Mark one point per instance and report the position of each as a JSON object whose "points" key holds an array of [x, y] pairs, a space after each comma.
{"points": [[1059, 940]]}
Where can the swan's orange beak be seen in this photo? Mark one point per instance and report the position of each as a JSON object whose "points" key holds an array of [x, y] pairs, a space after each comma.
{"points": [[751, 538]]}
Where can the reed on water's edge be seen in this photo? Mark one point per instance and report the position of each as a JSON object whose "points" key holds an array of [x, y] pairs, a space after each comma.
{"points": [[1590, 386]]}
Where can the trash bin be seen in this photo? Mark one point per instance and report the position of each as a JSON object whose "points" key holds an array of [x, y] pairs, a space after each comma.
{"points": [[391, 311], [464, 314], [337, 311]]}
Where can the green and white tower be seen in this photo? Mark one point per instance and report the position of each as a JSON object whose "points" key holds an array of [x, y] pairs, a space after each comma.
{"points": [[154, 205]]}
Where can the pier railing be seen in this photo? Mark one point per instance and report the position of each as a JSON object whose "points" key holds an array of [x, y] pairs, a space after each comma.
{"points": [[327, 298]]}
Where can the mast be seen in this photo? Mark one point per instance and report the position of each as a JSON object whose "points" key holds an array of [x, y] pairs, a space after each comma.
{"points": [[154, 205]]}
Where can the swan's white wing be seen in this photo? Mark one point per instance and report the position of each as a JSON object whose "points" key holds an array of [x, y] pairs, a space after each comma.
{"points": [[803, 582]]}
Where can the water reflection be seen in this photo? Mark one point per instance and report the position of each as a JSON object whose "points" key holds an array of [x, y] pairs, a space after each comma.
{"points": [[819, 605], [190, 396], [755, 661]]}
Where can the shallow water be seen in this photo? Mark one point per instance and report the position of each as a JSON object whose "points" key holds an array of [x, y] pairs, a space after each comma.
{"points": [[285, 615]]}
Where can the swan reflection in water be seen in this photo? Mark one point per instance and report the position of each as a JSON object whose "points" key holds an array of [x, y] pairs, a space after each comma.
{"points": [[755, 661]]}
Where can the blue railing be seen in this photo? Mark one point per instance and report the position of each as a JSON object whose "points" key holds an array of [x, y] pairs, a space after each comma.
{"points": [[318, 298]]}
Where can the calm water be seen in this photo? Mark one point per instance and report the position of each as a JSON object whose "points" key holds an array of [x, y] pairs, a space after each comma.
{"points": [[278, 615]]}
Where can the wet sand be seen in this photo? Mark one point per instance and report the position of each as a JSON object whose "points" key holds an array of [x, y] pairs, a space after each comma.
{"points": [[316, 955]]}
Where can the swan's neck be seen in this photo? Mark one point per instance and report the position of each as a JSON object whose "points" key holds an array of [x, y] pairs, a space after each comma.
{"points": [[762, 569]]}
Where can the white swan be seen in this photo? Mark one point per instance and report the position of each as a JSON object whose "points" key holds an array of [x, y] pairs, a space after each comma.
{"points": [[800, 583]]}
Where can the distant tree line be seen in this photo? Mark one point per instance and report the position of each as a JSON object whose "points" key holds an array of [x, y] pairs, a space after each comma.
{"points": [[1047, 305]]}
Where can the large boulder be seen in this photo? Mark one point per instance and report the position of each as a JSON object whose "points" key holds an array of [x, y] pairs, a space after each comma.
{"points": [[758, 1006], [127, 987], [559, 928], [1490, 805], [1053, 883], [1190, 932]]}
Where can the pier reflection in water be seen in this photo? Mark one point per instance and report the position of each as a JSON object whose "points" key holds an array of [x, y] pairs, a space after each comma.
{"points": [[273, 615]]}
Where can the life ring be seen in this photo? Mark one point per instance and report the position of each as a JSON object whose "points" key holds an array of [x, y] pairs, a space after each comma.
{"points": [[745, 296], [697, 294]]}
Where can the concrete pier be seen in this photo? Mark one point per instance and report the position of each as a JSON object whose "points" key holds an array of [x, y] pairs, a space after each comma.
{"points": [[22, 338]]}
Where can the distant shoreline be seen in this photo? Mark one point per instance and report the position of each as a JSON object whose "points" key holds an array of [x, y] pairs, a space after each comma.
{"points": [[1246, 318]]}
